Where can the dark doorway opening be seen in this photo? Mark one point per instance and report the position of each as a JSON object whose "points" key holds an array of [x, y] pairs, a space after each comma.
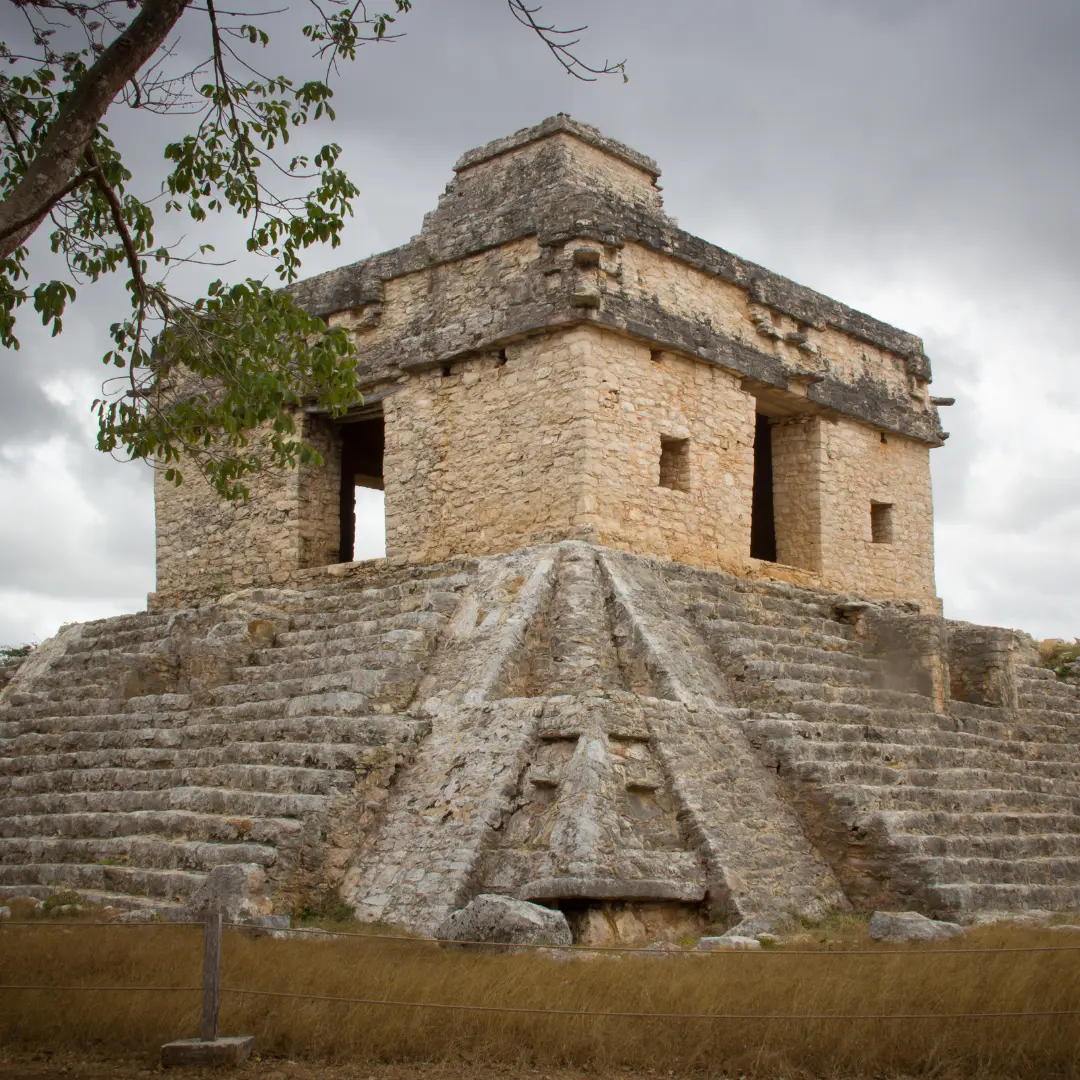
{"points": [[762, 517], [362, 445]]}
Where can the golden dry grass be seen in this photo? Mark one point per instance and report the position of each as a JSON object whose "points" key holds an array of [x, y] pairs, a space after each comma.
{"points": [[831, 981]]}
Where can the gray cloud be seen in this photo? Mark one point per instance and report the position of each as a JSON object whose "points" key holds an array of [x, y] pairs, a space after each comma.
{"points": [[919, 160]]}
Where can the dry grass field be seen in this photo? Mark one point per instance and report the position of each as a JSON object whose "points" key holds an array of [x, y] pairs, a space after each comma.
{"points": [[893, 997]]}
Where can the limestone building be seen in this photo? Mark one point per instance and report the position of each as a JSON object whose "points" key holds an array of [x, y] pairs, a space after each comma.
{"points": [[553, 358], [656, 642]]}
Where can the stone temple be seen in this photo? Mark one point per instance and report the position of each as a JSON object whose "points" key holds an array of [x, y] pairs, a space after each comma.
{"points": [[656, 640]]}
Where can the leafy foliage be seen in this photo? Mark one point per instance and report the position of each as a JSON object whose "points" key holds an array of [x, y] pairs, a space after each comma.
{"points": [[1061, 656], [215, 380], [15, 652]]}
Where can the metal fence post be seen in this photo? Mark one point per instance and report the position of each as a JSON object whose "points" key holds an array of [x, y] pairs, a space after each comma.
{"points": [[211, 976]]}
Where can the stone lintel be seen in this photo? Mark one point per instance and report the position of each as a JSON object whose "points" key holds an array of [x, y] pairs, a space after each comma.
{"points": [[231, 1050], [603, 888]]}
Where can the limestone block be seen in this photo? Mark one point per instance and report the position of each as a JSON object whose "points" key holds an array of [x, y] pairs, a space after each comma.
{"points": [[910, 926], [726, 941], [504, 920], [231, 1050]]}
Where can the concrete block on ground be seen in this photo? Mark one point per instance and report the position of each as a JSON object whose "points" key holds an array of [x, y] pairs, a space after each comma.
{"points": [[231, 1050]]}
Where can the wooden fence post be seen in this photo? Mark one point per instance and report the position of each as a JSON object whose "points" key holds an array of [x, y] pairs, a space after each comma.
{"points": [[211, 976]]}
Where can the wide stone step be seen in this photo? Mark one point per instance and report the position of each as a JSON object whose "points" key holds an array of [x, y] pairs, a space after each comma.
{"points": [[371, 660], [926, 823], [959, 897], [723, 630], [788, 692], [920, 740], [265, 778], [702, 612], [334, 756], [230, 802], [988, 846], [343, 633], [868, 674], [1063, 870], [944, 778], [752, 649], [148, 853], [121, 901], [869, 798], [174, 885], [405, 641], [928, 758], [174, 824], [195, 732]]}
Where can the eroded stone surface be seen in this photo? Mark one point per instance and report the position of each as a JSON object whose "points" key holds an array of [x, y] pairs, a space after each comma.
{"points": [[502, 920], [909, 926]]}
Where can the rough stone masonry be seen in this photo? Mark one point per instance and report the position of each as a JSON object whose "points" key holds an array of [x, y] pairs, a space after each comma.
{"points": [[656, 641]]}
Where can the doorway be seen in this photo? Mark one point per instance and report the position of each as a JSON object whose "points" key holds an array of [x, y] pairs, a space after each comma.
{"points": [[762, 511], [363, 513]]}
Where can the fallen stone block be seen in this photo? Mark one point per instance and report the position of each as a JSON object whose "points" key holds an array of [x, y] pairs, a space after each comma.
{"points": [[231, 1050], [502, 920], [910, 926], [726, 941]]}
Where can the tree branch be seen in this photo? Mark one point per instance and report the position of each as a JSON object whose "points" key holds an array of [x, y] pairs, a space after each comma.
{"points": [[73, 127]]}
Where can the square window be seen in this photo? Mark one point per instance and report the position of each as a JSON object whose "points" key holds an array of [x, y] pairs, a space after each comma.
{"points": [[881, 523], [675, 463]]}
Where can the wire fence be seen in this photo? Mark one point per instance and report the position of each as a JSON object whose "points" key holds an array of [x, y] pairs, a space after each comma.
{"points": [[212, 989]]}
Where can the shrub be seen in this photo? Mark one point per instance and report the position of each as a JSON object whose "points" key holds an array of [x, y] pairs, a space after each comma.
{"points": [[1060, 656]]}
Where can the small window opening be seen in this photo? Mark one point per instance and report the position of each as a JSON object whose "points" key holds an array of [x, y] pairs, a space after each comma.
{"points": [[884, 437], [656, 355], [363, 515], [675, 463], [447, 371], [501, 358], [881, 522], [762, 515]]}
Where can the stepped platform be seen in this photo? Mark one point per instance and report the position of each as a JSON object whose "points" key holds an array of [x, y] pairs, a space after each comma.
{"points": [[585, 728]]}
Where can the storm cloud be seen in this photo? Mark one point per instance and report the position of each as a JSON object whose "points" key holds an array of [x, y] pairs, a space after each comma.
{"points": [[919, 161]]}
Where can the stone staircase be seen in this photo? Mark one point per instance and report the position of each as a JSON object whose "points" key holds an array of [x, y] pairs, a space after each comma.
{"points": [[147, 749], [949, 810]]}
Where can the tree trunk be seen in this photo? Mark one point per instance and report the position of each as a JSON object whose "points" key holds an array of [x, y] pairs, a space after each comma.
{"points": [[58, 160]]}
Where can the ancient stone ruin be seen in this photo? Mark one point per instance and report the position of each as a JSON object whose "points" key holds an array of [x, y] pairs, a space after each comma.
{"points": [[656, 640]]}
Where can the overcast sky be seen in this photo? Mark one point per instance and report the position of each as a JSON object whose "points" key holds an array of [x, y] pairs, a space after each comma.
{"points": [[917, 159]]}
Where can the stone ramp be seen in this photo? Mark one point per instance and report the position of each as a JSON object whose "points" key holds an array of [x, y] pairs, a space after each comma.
{"points": [[138, 753], [943, 805]]}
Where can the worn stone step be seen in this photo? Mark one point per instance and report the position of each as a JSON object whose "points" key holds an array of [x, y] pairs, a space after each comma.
{"points": [[154, 884], [371, 660], [991, 846], [868, 674], [786, 692], [925, 823], [920, 739], [753, 649], [925, 758], [148, 853], [868, 798], [233, 802], [1062, 870], [265, 778], [405, 641], [967, 897], [942, 778], [333, 756], [723, 630], [704, 611], [343, 633], [173, 824], [196, 732]]}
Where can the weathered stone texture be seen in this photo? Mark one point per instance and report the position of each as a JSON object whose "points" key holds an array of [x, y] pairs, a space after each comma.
{"points": [[530, 349], [655, 749]]}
